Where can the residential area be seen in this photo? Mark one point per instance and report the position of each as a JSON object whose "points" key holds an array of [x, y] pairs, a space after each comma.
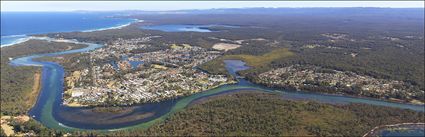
{"points": [[314, 78], [143, 77]]}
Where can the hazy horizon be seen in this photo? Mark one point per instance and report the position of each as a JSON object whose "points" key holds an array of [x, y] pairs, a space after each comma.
{"points": [[222, 8], [102, 6]]}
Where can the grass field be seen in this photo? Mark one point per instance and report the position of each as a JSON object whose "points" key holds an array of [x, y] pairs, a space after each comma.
{"points": [[265, 59]]}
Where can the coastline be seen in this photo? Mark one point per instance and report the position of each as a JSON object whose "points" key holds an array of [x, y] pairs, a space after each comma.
{"points": [[26, 37], [115, 27], [17, 41]]}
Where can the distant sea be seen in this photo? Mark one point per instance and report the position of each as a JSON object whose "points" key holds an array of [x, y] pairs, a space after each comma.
{"points": [[16, 26]]}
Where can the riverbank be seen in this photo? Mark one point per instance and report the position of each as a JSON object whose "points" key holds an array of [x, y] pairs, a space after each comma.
{"points": [[20, 86], [341, 94], [219, 95], [32, 97]]}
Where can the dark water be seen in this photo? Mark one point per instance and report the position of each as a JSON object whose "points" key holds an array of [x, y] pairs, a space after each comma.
{"points": [[234, 66], [403, 131], [134, 64]]}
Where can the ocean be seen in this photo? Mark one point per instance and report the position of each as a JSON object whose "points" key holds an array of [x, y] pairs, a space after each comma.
{"points": [[16, 26]]}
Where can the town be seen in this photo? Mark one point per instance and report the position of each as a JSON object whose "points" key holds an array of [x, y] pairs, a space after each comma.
{"points": [[142, 77], [314, 78]]}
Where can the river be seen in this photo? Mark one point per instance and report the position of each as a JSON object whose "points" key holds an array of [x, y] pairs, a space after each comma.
{"points": [[51, 113]]}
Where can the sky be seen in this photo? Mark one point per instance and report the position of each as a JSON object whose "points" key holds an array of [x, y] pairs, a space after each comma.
{"points": [[182, 5]]}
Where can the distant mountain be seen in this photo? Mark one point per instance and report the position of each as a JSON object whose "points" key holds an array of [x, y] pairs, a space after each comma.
{"points": [[405, 12]]}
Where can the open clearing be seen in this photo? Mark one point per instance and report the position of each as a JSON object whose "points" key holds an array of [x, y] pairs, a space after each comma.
{"points": [[225, 46], [256, 61]]}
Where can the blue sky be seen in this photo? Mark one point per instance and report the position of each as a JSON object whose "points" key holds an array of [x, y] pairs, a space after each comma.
{"points": [[179, 5]]}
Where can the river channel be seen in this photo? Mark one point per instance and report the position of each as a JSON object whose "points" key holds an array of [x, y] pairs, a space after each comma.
{"points": [[51, 113]]}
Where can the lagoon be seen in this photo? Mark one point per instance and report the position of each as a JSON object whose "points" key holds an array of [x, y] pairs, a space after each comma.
{"points": [[184, 28]]}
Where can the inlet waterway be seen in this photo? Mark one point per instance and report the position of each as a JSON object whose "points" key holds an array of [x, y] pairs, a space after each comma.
{"points": [[51, 113], [185, 28]]}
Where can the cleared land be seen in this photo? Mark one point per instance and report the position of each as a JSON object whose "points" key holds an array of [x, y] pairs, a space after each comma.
{"points": [[225, 46], [257, 61], [6, 124], [7, 129]]}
